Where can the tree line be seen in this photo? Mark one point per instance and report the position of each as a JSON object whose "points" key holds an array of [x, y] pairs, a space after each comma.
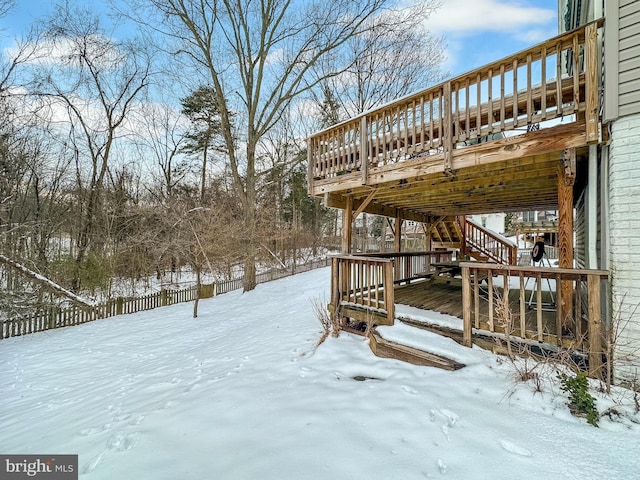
{"points": [[158, 134]]}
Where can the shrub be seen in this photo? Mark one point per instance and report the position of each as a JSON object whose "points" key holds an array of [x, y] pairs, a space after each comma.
{"points": [[581, 403], [330, 323]]}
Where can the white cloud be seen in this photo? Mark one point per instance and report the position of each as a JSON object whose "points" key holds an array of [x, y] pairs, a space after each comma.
{"points": [[465, 17], [62, 51]]}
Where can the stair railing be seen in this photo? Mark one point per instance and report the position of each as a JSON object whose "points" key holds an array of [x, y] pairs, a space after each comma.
{"points": [[483, 244]]}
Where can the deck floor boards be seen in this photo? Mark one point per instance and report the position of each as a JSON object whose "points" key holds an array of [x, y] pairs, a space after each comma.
{"points": [[446, 297]]}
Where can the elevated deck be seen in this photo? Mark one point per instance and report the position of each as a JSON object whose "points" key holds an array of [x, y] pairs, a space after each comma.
{"points": [[490, 140], [511, 136]]}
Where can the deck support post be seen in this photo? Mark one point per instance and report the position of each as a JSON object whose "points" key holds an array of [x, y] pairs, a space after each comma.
{"points": [[566, 178], [426, 227], [347, 226], [397, 234], [462, 221]]}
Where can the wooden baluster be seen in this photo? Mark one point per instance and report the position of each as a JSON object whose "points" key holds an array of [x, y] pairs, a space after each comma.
{"points": [[466, 306], [515, 93], [591, 83], [576, 73], [595, 327], [490, 117], [478, 106], [502, 95], [543, 74], [539, 306], [529, 91], [491, 300], [523, 313], [559, 99], [558, 309]]}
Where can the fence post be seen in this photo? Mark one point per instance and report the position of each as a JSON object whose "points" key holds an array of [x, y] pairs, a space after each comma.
{"points": [[119, 305], [163, 297]]}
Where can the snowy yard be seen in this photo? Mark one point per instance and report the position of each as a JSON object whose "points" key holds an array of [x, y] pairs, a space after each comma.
{"points": [[240, 393]]}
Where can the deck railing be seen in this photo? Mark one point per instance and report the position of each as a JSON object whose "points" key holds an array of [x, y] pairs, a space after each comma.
{"points": [[364, 283], [531, 297], [408, 266], [554, 79]]}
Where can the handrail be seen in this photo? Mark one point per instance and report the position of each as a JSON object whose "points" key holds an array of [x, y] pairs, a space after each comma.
{"points": [[547, 81], [409, 266], [489, 244], [532, 312]]}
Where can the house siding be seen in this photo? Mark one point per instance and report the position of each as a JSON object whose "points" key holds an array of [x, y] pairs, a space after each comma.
{"points": [[629, 57], [621, 58], [624, 248]]}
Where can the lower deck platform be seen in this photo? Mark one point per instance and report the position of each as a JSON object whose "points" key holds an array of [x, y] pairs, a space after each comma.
{"points": [[445, 296]]}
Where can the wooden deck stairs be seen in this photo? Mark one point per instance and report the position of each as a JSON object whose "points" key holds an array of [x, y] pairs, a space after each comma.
{"points": [[384, 348], [473, 240], [388, 349]]}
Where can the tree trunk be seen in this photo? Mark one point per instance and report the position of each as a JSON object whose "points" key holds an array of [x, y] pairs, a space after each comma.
{"points": [[250, 208], [198, 287]]}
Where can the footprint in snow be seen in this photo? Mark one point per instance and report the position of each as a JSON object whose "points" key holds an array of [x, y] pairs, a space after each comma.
{"points": [[450, 417], [137, 420], [442, 467], [513, 448], [91, 465], [87, 432], [409, 390], [121, 442]]}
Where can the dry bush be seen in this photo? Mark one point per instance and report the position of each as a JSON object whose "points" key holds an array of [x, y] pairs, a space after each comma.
{"points": [[330, 323], [529, 365]]}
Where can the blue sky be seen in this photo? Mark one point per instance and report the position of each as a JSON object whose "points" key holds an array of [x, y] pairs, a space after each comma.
{"points": [[476, 32]]}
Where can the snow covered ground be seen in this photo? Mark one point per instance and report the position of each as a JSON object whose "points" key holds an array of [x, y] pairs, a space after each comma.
{"points": [[241, 393]]}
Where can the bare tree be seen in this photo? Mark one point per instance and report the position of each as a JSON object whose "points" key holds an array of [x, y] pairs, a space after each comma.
{"points": [[393, 58], [259, 57], [162, 139], [95, 80]]}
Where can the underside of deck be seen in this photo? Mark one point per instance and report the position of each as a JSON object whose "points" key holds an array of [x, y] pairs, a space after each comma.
{"points": [[516, 173]]}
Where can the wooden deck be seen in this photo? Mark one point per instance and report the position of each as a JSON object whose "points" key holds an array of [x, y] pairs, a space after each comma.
{"points": [[445, 296], [462, 147]]}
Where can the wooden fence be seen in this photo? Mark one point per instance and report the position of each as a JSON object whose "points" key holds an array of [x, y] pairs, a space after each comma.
{"points": [[56, 317]]}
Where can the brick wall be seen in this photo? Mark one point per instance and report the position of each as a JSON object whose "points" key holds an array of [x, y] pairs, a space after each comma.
{"points": [[624, 227]]}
